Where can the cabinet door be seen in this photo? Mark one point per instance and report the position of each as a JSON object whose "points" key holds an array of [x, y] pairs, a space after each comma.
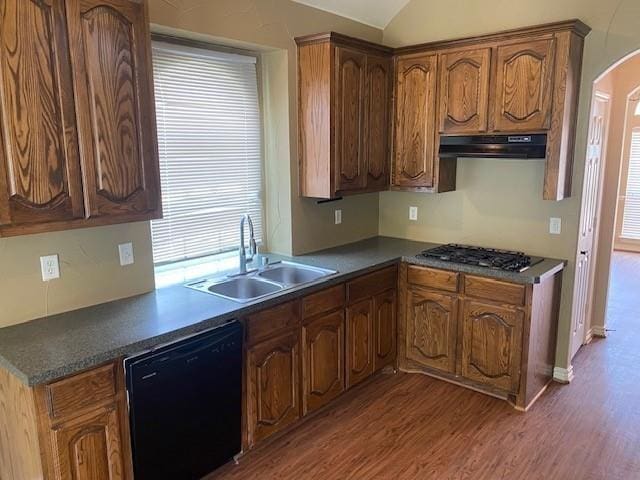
{"points": [[323, 360], [359, 347], [110, 45], [90, 447], [492, 345], [524, 73], [351, 171], [432, 329], [378, 120], [384, 328], [415, 112], [464, 91], [40, 178], [273, 386]]}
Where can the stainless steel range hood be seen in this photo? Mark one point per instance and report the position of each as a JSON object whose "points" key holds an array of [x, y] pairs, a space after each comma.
{"points": [[494, 146]]}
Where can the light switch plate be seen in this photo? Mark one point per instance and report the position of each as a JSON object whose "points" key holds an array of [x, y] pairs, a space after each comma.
{"points": [[126, 253], [338, 215], [555, 225], [413, 213], [50, 267]]}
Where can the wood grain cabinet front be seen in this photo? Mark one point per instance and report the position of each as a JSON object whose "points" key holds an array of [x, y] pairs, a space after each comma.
{"points": [[385, 306], [492, 345], [523, 86], [322, 360], [359, 347], [273, 386], [431, 329], [83, 150], [344, 105]]}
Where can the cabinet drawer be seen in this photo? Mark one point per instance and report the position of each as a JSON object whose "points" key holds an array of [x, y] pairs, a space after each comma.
{"points": [[323, 301], [264, 324], [372, 284], [433, 278], [71, 395], [495, 290]]}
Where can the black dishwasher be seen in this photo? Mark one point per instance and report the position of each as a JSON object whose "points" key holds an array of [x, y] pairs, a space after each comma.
{"points": [[185, 404]]}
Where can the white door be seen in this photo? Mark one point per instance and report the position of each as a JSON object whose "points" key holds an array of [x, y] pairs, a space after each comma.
{"points": [[585, 263]]}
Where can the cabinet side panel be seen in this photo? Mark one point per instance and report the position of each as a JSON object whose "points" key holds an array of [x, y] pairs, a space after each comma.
{"points": [[545, 306], [19, 445], [561, 141], [314, 118]]}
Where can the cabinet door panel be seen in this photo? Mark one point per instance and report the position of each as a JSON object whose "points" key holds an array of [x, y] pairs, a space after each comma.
{"points": [[378, 121], [273, 385], [415, 121], [90, 448], [117, 126], [432, 329], [323, 357], [524, 86], [40, 177], [384, 308], [359, 347], [492, 345], [350, 115], [464, 91]]}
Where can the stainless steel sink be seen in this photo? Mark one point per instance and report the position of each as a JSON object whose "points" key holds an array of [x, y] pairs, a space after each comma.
{"points": [[246, 287], [292, 274], [240, 289]]}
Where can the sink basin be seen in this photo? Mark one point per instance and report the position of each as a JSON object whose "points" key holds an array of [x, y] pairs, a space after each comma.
{"points": [[290, 274], [240, 289]]}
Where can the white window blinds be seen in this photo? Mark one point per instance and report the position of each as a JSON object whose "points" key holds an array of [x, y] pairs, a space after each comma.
{"points": [[631, 214], [209, 140]]}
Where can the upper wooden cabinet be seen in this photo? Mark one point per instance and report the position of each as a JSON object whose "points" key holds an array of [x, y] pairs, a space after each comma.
{"points": [[523, 86], [415, 114], [82, 151], [464, 90], [344, 103]]}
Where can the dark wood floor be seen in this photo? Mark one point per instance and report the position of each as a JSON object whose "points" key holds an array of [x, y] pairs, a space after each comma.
{"points": [[402, 427]]}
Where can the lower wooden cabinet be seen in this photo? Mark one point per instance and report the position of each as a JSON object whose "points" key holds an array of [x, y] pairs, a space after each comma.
{"points": [[273, 385], [431, 329], [492, 345], [90, 447], [385, 306], [322, 360], [359, 346]]}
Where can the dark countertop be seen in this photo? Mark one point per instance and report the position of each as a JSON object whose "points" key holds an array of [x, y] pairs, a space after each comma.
{"points": [[46, 349]]}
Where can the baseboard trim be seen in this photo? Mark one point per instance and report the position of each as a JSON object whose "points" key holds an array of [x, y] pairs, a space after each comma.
{"points": [[599, 331], [563, 375]]}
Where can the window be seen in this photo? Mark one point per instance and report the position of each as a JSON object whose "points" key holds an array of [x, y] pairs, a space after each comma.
{"points": [[209, 141], [631, 214], [636, 112]]}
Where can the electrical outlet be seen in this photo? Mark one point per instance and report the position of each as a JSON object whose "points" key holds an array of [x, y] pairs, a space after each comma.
{"points": [[338, 214], [50, 267], [555, 225], [126, 253], [413, 213]]}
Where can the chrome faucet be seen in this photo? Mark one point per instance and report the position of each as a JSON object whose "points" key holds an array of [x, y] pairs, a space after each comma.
{"points": [[252, 244]]}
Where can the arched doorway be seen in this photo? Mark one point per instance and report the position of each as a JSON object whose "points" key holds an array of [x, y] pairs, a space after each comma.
{"points": [[607, 138]]}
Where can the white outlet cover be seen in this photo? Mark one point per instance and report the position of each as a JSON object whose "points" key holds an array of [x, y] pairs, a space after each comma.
{"points": [[338, 217], [126, 254], [413, 213], [50, 267], [555, 225]]}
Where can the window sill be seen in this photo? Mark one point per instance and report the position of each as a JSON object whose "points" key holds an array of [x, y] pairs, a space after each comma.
{"points": [[184, 271]]}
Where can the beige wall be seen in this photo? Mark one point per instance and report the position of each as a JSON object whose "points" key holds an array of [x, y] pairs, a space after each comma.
{"points": [[621, 81], [294, 224], [499, 202], [91, 272], [89, 264]]}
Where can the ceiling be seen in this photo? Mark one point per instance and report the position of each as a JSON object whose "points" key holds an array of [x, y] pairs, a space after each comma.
{"points": [[377, 13]]}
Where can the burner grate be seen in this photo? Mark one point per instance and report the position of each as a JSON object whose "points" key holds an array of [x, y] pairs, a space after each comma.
{"points": [[483, 257]]}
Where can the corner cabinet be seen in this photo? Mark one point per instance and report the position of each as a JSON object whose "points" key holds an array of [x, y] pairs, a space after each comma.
{"points": [[82, 152], [344, 108]]}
